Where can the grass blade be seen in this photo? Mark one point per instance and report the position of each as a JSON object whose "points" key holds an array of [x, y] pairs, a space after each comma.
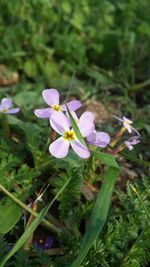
{"points": [[99, 214], [76, 128]]}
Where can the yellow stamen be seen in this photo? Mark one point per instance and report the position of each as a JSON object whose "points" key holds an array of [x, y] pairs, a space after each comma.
{"points": [[4, 110], [126, 123], [56, 107], [69, 136]]}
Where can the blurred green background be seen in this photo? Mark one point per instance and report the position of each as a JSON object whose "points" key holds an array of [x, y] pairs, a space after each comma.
{"points": [[87, 47]]}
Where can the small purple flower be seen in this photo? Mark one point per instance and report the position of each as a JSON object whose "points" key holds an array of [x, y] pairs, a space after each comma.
{"points": [[127, 124], [61, 124], [100, 139], [47, 244], [51, 97], [131, 142], [5, 106]]}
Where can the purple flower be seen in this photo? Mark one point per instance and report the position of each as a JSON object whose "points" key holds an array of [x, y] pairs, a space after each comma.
{"points": [[131, 142], [127, 124], [100, 139], [51, 97], [5, 105], [47, 244], [61, 124]]}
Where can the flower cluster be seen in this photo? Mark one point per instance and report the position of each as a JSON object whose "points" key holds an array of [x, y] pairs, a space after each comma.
{"points": [[127, 125], [60, 122]]}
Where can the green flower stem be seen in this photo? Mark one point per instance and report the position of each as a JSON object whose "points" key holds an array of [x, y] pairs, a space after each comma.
{"points": [[117, 137], [45, 222], [117, 150], [5, 125]]}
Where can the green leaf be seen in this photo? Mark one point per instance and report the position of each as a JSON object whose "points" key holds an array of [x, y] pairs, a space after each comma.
{"points": [[99, 214], [76, 128], [106, 159], [31, 228], [10, 215]]}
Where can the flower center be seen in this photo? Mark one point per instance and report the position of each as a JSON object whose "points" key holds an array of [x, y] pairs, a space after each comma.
{"points": [[126, 122], [69, 136], [4, 110], [56, 107]]}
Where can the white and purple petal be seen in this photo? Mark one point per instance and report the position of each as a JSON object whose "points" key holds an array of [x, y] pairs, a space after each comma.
{"points": [[127, 124], [72, 105], [103, 139], [85, 124], [128, 127], [59, 122], [80, 150], [87, 116], [100, 139], [127, 120], [51, 96], [43, 112], [128, 145], [13, 111], [59, 148], [134, 140], [6, 103], [117, 118], [91, 139]]}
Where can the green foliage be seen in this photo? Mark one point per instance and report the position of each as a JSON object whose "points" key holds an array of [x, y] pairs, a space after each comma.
{"points": [[125, 228], [71, 196], [125, 241], [31, 228], [41, 259], [15, 177], [21, 259]]}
